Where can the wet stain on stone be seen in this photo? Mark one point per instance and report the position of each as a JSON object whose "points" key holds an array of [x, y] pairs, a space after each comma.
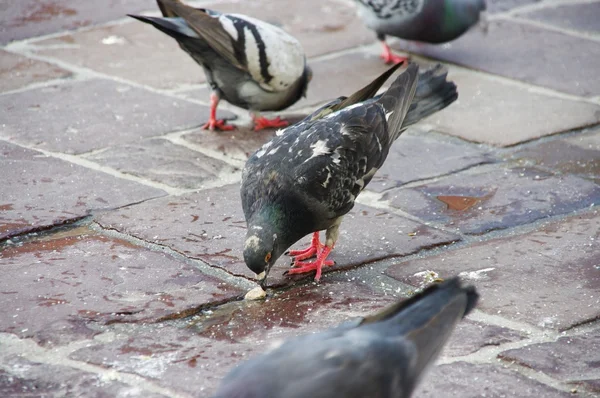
{"points": [[460, 203], [44, 12]]}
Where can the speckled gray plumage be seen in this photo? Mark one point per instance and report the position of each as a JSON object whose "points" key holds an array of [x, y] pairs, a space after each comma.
{"points": [[381, 356], [308, 177]]}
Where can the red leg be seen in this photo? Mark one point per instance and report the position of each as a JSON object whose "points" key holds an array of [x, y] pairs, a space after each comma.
{"points": [[389, 57], [213, 123], [310, 251], [264, 123], [304, 267]]}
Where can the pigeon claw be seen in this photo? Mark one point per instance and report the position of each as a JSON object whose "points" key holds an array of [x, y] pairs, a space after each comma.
{"points": [[216, 124], [261, 123], [389, 57], [301, 267], [315, 247]]}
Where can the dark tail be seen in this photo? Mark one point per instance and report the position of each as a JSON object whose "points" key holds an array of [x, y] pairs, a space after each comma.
{"points": [[434, 93], [427, 319], [397, 99], [174, 27]]}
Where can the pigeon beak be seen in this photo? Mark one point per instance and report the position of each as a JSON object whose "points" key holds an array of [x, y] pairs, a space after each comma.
{"points": [[261, 276]]}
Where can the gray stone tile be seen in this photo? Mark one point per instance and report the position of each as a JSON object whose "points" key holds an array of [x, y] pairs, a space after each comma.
{"points": [[575, 360], [548, 278], [40, 191], [420, 155], [17, 71], [578, 155], [477, 202], [528, 53], [29, 18], [470, 337], [164, 162], [499, 113], [466, 380], [581, 17], [56, 281], [210, 225], [85, 115], [496, 6]]}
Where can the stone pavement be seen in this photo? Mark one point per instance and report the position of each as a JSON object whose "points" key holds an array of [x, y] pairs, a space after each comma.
{"points": [[121, 226]]}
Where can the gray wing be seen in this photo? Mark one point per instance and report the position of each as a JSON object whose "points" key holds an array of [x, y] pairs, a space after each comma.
{"points": [[325, 365]]}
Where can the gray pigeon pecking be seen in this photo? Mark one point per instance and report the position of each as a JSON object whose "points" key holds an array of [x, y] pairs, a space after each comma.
{"points": [[430, 21], [247, 62], [380, 356], [306, 179]]}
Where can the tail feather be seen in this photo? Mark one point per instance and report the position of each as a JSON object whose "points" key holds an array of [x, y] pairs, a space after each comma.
{"points": [[397, 99], [173, 26], [434, 93]]}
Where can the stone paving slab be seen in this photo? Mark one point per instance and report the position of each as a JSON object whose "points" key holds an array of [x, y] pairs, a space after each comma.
{"points": [[196, 354], [124, 51], [575, 360], [94, 114], [499, 113], [581, 17], [548, 278], [80, 275], [478, 202], [17, 71], [528, 53], [160, 160], [40, 191], [26, 378], [470, 336], [28, 18], [466, 380], [210, 225], [578, 155], [497, 6], [419, 155]]}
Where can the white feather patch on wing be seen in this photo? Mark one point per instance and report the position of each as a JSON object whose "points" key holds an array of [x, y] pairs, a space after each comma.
{"points": [[319, 148], [285, 55], [229, 27]]}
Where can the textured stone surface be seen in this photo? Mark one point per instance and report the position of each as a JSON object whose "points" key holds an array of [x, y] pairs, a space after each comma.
{"points": [[162, 161], [194, 358], [25, 378], [524, 52], [124, 50], [581, 17], [495, 6], [548, 278], [210, 225], [17, 71], [28, 18], [462, 379], [40, 191], [478, 202], [55, 282], [470, 336], [499, 113], [93, 114], [419, 155], [578, 155], [575, 360]]}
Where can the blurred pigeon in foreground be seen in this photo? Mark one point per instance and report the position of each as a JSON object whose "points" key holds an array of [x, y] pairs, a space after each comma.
{"points": [[247, 62], [430, 21], [381, 356], [305, 179]]}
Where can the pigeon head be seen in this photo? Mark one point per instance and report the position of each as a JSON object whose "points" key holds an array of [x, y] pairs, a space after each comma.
{"points": [[260, 249]]}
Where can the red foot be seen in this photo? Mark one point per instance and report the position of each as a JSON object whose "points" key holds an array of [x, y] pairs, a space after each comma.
{"points": [[309, 252], [389, 57], [264, 123], [214, 124], [304, 267]]}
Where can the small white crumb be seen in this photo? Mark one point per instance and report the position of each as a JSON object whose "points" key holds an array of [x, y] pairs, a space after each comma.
{"points": [[255, 294], [110, 40], [261, 276]]}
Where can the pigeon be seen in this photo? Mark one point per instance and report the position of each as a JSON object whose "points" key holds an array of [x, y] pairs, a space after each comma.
{"points": [[430, 21], [308, 176], [249, 63], [379, 356]]}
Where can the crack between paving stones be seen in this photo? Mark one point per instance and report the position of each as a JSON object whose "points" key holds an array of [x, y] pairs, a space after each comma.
{"points": [[43, 231]]}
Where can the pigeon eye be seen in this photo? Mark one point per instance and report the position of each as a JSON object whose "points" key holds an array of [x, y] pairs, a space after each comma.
{"points": [[267, 257]]}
